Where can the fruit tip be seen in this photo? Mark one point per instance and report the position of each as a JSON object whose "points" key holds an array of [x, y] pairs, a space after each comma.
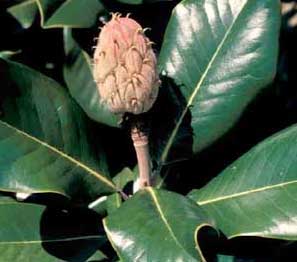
{"points": [[146, 29], [150, 43], [115, 16]]}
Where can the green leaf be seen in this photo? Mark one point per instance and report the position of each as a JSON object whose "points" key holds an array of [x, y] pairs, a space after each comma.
{"points": [[131, 2], [24, 236], [156, 225], [7, 54], [223, 258], [98, 256], [137, 2], [44, 145], [113, 202], [58, 13], [24, 12], [70, 13], [108, 204], [80, 82], [124, 177], [220, 54], [256, 195]]}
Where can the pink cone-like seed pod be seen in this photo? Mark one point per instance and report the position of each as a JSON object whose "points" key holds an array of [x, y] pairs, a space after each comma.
{"points": [[125, 67]]}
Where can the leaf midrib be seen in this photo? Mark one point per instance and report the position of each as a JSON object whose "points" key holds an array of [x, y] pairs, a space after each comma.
{"points": [[63, 155], [163, 218], [252, 191], [29, 242], [199, 84]]}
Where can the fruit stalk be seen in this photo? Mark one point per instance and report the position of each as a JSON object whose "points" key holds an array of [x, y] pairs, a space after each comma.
{"points": [[139, 135]]}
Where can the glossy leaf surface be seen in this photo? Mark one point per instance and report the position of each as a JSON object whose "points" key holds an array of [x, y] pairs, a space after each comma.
{"points": [[156, 225], [44, 145], [221, 54], [73, 13], [256, 195]]}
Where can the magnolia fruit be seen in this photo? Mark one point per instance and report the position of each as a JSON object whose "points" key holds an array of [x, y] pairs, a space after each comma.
{"points": [[125, 67]]}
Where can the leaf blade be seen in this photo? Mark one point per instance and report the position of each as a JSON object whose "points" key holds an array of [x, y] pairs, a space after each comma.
{"points": [[60, 153], [56, 13], [24, 12], [217, 81], [155, 219], [260, 187], [22, 237], [49, 139]]}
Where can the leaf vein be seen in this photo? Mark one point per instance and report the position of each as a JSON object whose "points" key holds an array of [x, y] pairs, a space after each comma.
{"points": [[192, 97], [69, 158], [261, 189]]}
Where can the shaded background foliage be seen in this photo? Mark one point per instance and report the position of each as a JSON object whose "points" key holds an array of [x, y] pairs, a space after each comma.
{"points": [[273, 110]]}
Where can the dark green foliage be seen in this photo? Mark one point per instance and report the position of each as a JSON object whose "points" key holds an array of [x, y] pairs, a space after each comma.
{"points": [[225, 178]]}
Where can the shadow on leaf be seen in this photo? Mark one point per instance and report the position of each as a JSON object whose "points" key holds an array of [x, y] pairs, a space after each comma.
{"points": [[166, 150], [71, 235]]}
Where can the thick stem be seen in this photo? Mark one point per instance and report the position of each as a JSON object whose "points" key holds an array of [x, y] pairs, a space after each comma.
{"points": [[140, 141]]}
